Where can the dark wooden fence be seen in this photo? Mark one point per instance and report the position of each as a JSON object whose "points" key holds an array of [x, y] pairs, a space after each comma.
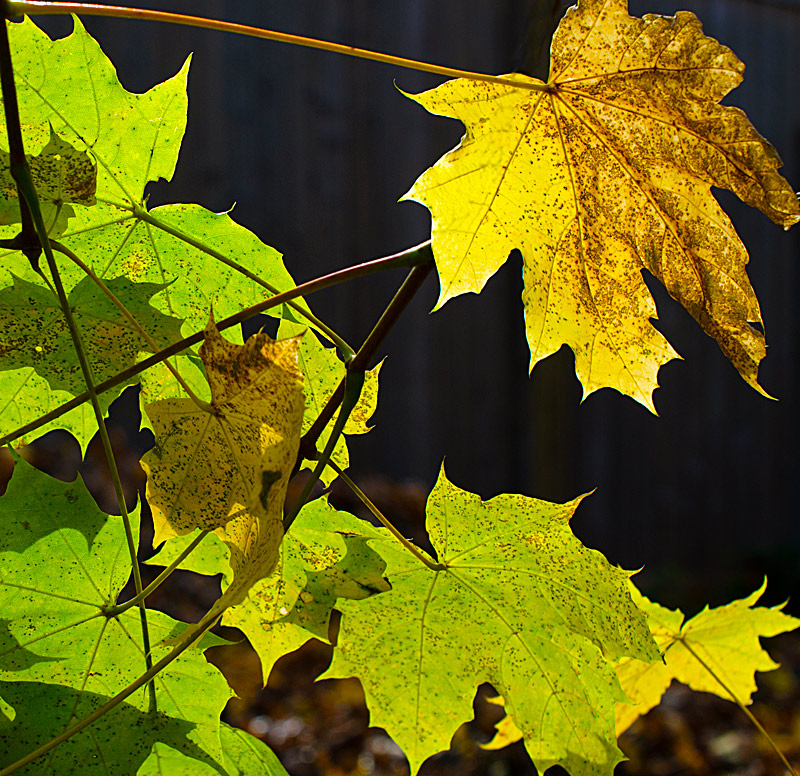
{"points": [[314, 150]]}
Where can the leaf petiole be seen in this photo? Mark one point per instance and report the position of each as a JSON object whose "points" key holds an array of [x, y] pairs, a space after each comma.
{"points": [[422, 258], [410, 546], [749, 714], [353, 383], [204, 405], [114, 611], [40, 7]]}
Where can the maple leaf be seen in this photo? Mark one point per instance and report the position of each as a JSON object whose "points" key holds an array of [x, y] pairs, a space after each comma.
{"points": [[69, 86], [600, 173], [38, 369], [242, 755], [226, 467], [540, 612], [717, 651]]}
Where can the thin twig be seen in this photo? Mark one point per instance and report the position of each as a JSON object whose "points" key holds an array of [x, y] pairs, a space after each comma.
{"points": [[353, 384], [413, 282]]}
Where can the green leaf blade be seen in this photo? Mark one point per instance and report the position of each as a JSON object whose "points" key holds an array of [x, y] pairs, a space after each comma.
{"points": [[513, 573], [63, 562], [71, 85]]}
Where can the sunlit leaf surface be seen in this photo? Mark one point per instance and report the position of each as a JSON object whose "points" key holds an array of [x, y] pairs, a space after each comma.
{"points": [[62, 561], [717, 651], [599, 174], [540, 614], [225, 467]]}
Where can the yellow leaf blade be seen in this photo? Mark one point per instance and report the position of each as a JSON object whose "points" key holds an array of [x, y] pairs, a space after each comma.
{"points": [[717, 651], [604, 174], [226, 468]]}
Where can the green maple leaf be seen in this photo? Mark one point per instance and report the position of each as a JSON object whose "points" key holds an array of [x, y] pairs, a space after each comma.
{"points": [[324, 557], [323, 371], [38, 368], [539, 613], [200, 259], [604, 171], [717, 651], [70, 85], [62, 562]]}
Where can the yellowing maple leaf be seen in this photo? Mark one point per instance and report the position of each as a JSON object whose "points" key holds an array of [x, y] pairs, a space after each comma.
{"points": [[717, 651], [542, 616], [225, 468], [600, 173]]}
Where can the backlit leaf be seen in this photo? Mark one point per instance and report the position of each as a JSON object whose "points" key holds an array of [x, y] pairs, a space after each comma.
{"points": [[62, 175], [604, 171], [324, 557], [62, 563], [717, 651], [69, 85], [38, 366], [226, 467], [540, 614], [242, 755]]}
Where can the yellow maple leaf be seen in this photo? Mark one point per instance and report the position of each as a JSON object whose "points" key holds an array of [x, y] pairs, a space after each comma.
{"points": [[226, 467], [601, 172], [717, 651]]}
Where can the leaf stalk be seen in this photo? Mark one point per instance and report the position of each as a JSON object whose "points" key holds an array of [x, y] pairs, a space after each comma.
{"points": [[41, 7], [204, 405], [353, 384], [749, 714], [115, 611], [409, 545]]}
